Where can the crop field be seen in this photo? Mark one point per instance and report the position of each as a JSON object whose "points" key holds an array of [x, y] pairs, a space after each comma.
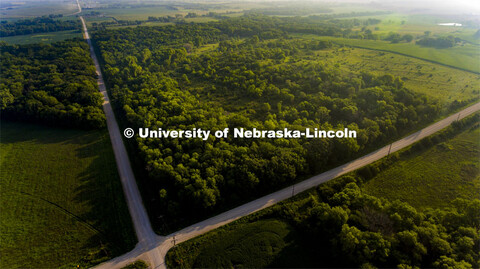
{"points": [[62, 203], [435, 177], [443, 83], [464, 57], [42, 37]]}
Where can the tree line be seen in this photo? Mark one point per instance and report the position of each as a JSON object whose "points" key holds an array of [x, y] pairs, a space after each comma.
{"points": [[50, 83], [43, 24]]}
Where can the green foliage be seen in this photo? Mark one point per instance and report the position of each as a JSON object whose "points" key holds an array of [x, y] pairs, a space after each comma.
{"points": [[62, 203], [250, 245], [440, 42], [54, 84], [263, 81], [136, 265], [451, 87], [356, 229], [461, 57], [50, 37], [440, 169]]}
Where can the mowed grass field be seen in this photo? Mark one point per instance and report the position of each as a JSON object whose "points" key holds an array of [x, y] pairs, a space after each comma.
{"points": [[443, 83], [434, 177], [466, 57], [259, 244], [61, 200], [42, 37]]}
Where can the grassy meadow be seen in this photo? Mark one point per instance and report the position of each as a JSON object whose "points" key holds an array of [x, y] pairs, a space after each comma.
{"points": [[62, 203], [464, 57], [443, 83], [434, 177]]}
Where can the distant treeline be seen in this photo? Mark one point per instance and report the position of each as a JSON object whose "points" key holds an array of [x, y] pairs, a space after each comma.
{"points": [[53, 84], [349, 15], [323, 25], [291, 10], [43, 24]]}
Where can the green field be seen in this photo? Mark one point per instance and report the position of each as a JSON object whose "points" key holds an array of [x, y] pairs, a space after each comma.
{"points": [[465, 57], [61, 202], [25, 9], [435, 177], [263, 243], [42, 37], [443, 83]]}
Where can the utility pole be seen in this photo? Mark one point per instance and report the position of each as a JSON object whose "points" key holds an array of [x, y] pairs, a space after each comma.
{"points": [[458, 116], [293, 190], [174, 241], [389, 149]]}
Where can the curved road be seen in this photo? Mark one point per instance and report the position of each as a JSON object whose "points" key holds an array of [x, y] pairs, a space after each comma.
{"points": [[153, 248]]}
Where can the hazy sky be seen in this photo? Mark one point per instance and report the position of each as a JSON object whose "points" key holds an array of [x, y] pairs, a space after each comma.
{"points": [[470, 6]]}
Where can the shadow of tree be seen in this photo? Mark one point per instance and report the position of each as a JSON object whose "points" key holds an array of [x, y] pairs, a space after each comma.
{"points": [[101, 189]]}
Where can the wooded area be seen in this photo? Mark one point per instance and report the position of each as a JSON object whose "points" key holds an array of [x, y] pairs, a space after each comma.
{"points": [[338, 224], [55, 84], [257, 76]]}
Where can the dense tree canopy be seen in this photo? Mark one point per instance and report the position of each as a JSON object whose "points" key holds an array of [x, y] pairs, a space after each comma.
{"points": [[439, 42], [55, 84], [359, 230], [245, 72]]}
